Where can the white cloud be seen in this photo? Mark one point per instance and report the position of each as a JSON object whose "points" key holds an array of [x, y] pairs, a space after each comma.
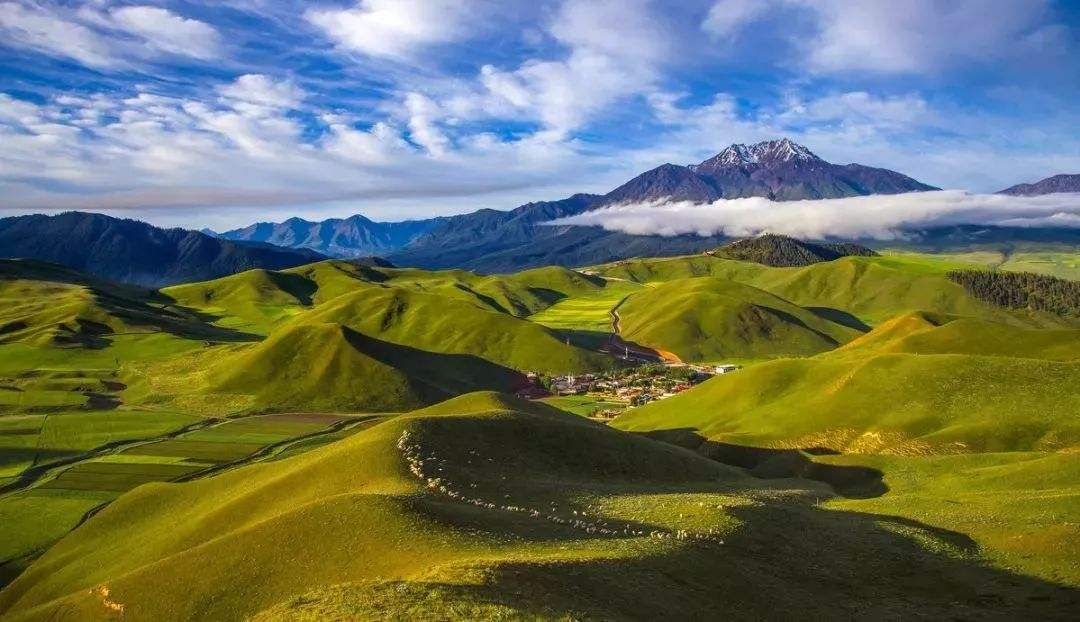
{"points": [[615, 50], [395, 28], [423, 128], [260, 90], [243, 147], [913, 36], [726, 17], [103, 39], [859, 107], [169, 32], [39, 29], [883, 217], [917, 35]]}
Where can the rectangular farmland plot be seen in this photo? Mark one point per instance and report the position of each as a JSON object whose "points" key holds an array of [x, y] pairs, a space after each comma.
{"points": [[198, 450], [119, 477]]}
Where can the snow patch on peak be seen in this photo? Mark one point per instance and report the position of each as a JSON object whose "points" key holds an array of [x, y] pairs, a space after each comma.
{"points": [[765, 152]]}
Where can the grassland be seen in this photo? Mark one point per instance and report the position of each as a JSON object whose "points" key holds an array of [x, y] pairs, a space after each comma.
{"points": [[708, 318], [109, 453], [857, 291], [584, 405], [922, 438], [910, 386], [1063, 263], [487, 507]]}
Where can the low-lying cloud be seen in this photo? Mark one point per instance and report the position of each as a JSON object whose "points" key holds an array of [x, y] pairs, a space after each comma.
{"points": [[881, 217]]}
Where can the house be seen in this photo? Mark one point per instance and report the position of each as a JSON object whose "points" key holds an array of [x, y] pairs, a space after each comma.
{"points": [[726, 368]]}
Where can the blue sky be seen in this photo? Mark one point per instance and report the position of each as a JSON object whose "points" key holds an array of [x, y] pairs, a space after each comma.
{"points": [[219, 114]]}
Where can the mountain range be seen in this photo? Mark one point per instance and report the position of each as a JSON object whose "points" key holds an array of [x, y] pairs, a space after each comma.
{"points": [[336, 237], [131, 251], [487, 240], [498, 241]]}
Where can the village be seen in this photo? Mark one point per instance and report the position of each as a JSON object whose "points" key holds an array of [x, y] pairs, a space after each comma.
{"points": [[614, 391]]}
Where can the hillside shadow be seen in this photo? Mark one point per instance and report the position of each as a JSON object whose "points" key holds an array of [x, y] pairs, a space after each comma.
{"points": [[787, 559], [443, 374], [189, 323], [295, 285], [842, 318], [856, 482], [588, 339], [484, 298], [791, 319]]}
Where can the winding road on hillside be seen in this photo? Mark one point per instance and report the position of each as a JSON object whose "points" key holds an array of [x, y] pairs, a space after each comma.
{"points": [[631, 350]]}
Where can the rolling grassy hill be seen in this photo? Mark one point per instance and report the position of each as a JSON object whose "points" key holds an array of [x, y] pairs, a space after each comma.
{"points": [[328, 367], [441, 324], [869, 289], [488, 507], [708, 318], [48, 305], [956, 491], [908, 387], [259, 299]]}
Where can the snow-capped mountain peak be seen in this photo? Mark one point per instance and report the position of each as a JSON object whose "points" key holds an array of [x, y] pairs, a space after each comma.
{"points": [[763, 153]]}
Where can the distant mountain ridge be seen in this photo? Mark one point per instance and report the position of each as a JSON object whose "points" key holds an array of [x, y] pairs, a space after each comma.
{"points": [[493, 241], [490, 240], [1050, 185], [354, 236], [130, 251]]}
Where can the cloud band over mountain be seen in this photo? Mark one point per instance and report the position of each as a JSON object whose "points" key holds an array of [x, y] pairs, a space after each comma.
{"points": [[882, 217]]}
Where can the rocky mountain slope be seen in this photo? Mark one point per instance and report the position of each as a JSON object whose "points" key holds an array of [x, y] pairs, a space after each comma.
{"points": [[1050, 185]]}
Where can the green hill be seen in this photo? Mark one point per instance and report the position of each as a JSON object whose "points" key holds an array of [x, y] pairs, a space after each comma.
{"points": [[438, 323], [489, 508], [923, 333], [910, 386], [258, 300], [708, 318], [44, 304], [328, 367], [872, 289], [254, 300]]}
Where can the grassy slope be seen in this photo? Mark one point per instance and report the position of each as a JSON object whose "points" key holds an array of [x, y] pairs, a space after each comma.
{"points": [[439, 324], [258, 300], [436, 325], [328, 367], [1061, 261], [1020, 507], [385, 545], [43, 304], [907, 387], [708, 318], [873, 289]]}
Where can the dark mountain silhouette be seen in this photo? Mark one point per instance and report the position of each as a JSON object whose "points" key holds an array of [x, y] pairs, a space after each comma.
{"points": [[782, 251], [1050, 185], [129, 251]]}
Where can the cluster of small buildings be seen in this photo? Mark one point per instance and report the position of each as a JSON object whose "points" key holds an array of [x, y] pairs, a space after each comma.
{"points": [[636, 386]]}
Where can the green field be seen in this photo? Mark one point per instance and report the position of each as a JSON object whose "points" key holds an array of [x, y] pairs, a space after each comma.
{"points": [[584, 405], [204, 452], [533, 513], [45, 509], [1063, 264]]}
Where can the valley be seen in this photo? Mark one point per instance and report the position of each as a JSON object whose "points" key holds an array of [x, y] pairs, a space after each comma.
{"points": [[858, 383], [544, 310]]}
